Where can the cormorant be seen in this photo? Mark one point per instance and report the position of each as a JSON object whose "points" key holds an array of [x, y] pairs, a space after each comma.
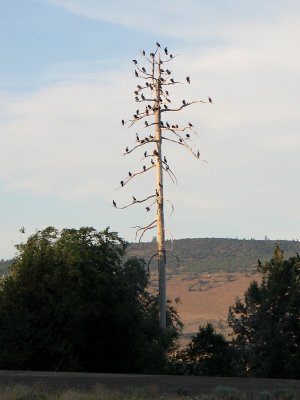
{"points": [[144, 167], [259, 262], [190, 125], [139, 87], [157, 44], [137, 99], [172, 80], [198, 154], [129, 173], [171, 55], [135, 72], [166, 51], [146, 123], [180, 140], [144, 53], [114, 204], [210, 100], [123, 122], [137, 112], [151, 136], [137, 137], [155, 152], [176, 126], [147, 209], [134, 199], [188, 79], [152, 54], [165, 106], [187, 135], [143, 97], [122, 183], [165, 160], [168, 125], [135, 62], [144, 69], [167, 93], [145, 154], [152, 162], [126, 149], [22, 230], [157, 194], [184, 102], [168, 72]]}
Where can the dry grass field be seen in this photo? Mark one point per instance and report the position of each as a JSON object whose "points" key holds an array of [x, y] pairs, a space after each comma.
{"points": [[206, 297]]}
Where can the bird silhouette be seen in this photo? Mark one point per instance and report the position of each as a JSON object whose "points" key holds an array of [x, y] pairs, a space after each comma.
{"points": [[123, 122], [139, 87], [152, 162], [147, 209], [210, 100], [114, 204], [144, 167], [135, 72], [129, 173], [176, 126], [297, 255], [22, 230], [157, 44], [151, 136], [137, 112], [184, 102], [152, 54], [134, 199], [167, 93], [137, 99], [190, 125], [165, 106], [168, 125], [145, 154], [155, 152], [136, 92], [147, 139], [168, 72], [146, 123], [187, 135], [165, 160], [126, 149], [137, 137], [157, 194], [160, 185], [144, 69], [172, 80], [135, 62], [258, 262], [180, 140], [143, 97], [198, 154], [188, 79], [144, 53], [122, 183], [166, 51], [171, 55]]}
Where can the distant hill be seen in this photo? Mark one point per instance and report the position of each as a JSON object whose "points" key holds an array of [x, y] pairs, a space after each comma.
{"points": [[208, 254], [213, 254]]}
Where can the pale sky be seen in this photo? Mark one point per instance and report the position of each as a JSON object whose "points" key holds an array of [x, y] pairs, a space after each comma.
{"points": [[66, 82]]}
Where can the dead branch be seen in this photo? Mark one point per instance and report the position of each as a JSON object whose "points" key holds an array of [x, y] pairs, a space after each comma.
{"points": [[136, 202], [144, 229]]}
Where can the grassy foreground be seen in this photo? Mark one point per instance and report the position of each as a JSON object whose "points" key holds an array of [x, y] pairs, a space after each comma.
{"points": [[99, 392]]}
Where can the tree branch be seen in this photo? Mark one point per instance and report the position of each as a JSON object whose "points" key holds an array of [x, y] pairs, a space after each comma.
{"points": [[144, 229]]}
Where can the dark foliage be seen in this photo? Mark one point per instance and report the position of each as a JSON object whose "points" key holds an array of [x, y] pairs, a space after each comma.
{"points": [[70, 303], [267, 324]]}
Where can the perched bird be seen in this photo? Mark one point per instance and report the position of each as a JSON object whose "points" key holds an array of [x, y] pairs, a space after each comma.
{"points": [[144, 167], [136, 92], [166, 51], [135, 72], [167, 168], [22, 230], [165, 160], [147, 111], [297, 255], [188, 79], [146, 123], [145, 154], [168, 125], [135, 116], [160, 185], [165, 106], [137, 137], [137, 99], [155, 152], [162, 70], [184, 102], [114, 204], [134, 199], [126, 149], [147, 84], [135, 62], [168, 100], [143, 97], [147, 139], [198, 154], [168, 72], [152, 162], [144, 53], [129, 173], [172, 80], [137, 112], [180, 140], [259, 262], [187, 135], [123, 122], [167, 93], [151, 136], [173, 126], [149, 106], [161, 123], [176, 126], [144, 69], [157, 44], [142, 141], [171, 55], [147, 209], [152, 54], [210, 100], [122, 183], [190, 125]]}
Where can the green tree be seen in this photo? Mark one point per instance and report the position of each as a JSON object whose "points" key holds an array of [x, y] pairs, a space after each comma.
{"points": [[208, 354], [266, 325], [71, 302]]}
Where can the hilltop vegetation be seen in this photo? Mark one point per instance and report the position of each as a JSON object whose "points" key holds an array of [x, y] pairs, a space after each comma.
{"points": [[208, 254], [213, 254]]}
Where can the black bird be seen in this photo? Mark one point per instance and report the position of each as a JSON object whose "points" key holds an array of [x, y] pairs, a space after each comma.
{"points": [[259, 262], [149, 107], [146, 123], [144, 53], [157, 44], [137, 99], [171, 55], [210, 100], [147, 111], [147, 84], [168, 125], [147, 139], [144, 69], [137, 137], [165, 160], [126, 149], [139, 87], [123, 122], [165, 106], [168, 100], [168, 72], [134, 199], [157, 194], [173, 126], [129, 173], [147, 209], [152, 162], [152, 54], [114, 204], [167, 167], [187, 135], [161, 123], [198, 154], [176, 126], [184, 102], [297, 255], [160, 185], [172, 80], [188, 79], [143, 97], [190, 125], [151, 136], [144, 167], [145, 154], [136, 92], [155, 152], [135, 116], [135, 62], [137, 112], [180, 140], [167, 93], [142, 141], [162, 70], [122, 183], [166, 51], [22, 230], [135, 72]]}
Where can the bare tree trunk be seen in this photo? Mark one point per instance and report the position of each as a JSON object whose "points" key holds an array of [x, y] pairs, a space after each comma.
{"points": [[160, 210]]}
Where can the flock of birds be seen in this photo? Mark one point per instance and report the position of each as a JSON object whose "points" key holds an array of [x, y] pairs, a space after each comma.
{"points": [[158, 77]]}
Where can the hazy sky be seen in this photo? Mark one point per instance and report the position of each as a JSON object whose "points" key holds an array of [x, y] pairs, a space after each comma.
{"points": [[66, 81]]}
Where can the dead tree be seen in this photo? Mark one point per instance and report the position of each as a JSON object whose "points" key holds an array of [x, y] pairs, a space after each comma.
{"points": [[154, 102]]}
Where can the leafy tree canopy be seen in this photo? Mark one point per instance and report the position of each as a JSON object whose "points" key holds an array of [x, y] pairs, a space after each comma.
{"points": [[72, 303], [266, 324]]}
